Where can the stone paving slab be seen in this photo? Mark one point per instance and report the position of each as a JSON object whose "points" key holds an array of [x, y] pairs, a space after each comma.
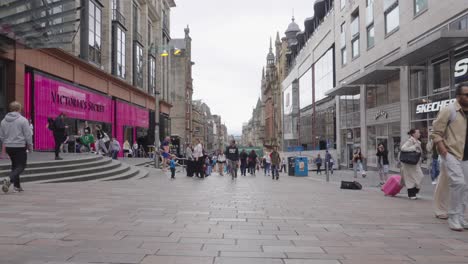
{"points": [[251, 220]]}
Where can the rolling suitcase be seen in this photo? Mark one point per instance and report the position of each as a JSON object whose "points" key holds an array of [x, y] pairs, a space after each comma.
{"points": [[392, 187]]}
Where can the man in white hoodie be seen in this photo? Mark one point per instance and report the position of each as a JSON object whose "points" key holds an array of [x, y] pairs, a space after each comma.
{"points": [[17, 138]]}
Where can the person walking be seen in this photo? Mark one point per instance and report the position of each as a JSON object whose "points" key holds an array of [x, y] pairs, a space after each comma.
{"points": [[267, 164], [357, 163], [252, 162], [16, 137], [102, 139], [382, 163], [165, 149], [114, 148], [189, 160], [232, 155], [329, 161], [450, 136], [434, 158], [198, 158], [283, 165], [318, 162], [243, 162], [275, 163], [412, 175], [172, 166], [221, 162], [59, 134]]}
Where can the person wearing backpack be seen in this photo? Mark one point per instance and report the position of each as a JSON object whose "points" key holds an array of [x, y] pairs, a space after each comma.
{"points": [[450, 136]]}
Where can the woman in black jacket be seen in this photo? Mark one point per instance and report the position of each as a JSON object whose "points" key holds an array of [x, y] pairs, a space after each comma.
{"points": [[382, 163]]}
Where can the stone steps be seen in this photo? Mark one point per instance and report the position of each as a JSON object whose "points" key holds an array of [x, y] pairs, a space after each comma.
{"points": [[77, 168]]}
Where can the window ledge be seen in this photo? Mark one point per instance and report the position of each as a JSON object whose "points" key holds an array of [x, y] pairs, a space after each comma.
{"points": [[420, 13], [371, 47], [392, 32]]}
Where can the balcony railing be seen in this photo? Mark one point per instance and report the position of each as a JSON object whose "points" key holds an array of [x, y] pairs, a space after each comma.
{"points": [[118, 17]]}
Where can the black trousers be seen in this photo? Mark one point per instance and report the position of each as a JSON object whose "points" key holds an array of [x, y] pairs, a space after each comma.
{"points": [[243, 168], [189, 168], [58, 142], [412, 192], [172, 172], [199, 171], [18, 159]]}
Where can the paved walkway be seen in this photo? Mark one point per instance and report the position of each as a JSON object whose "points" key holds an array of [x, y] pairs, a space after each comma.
{"points": [[219, 221]]}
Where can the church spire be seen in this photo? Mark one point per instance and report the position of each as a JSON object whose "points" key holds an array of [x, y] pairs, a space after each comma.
{"points": [[270, 56]]}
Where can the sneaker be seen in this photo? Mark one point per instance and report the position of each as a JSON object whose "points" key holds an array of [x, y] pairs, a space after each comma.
{"points": [[16, 190], [463, 223], [454, 223], [413, 198], [434, 182], [442, 216], [6, 185]]}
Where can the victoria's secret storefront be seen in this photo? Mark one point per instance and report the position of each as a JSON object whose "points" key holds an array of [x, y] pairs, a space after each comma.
{"points": [[53, 96]]}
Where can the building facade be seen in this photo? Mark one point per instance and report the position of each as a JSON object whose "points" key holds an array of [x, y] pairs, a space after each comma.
{"points": [[401, 72], [106, 73], [308, 113], [181, 72], [394, 65]]}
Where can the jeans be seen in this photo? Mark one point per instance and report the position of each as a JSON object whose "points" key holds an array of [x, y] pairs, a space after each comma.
{"points": [[357, 167], [435, 169], [18, 159], [318, 168], [383, 171], [100, 144], [243, 168], [458, 174], [233, 168], [274, 171], [267, 168], [172, 172], [114, 154]]}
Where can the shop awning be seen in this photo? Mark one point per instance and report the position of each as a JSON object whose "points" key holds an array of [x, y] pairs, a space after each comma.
{"points": [[344, 89], [375, 74], [430, 46]]}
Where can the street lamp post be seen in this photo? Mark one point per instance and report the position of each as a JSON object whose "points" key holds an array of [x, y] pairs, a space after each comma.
{"points": [[156, 129]]}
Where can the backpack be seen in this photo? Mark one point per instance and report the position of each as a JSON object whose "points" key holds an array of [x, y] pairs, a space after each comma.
{"points": [[51, 123], [348, 185]]}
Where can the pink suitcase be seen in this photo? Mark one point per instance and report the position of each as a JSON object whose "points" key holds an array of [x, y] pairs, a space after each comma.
{"points": [[392, 187]]}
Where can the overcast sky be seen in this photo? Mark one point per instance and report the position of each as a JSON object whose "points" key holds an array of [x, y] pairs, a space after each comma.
{"points": [[230, 41]]}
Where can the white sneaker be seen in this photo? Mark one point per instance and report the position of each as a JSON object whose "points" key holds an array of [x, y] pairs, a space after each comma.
{"points": [[434, 182], [463, 222], [454, 223]]}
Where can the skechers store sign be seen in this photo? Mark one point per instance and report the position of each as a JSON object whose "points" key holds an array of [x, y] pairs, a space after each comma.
{"points": [[461, 70], [76, 103], [433, 107]]}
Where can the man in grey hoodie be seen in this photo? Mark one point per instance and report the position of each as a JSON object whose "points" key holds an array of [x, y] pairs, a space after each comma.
{"points": [[17, 138]]}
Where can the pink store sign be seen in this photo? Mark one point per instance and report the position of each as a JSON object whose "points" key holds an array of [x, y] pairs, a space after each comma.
{"points": [[132, 115], [52, 97]]}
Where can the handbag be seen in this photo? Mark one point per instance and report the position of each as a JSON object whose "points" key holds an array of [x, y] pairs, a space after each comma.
{"points": [[410, 157], [106, 138]]}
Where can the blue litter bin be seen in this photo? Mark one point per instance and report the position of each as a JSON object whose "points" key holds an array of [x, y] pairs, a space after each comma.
{"points": [[301, 168]]}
